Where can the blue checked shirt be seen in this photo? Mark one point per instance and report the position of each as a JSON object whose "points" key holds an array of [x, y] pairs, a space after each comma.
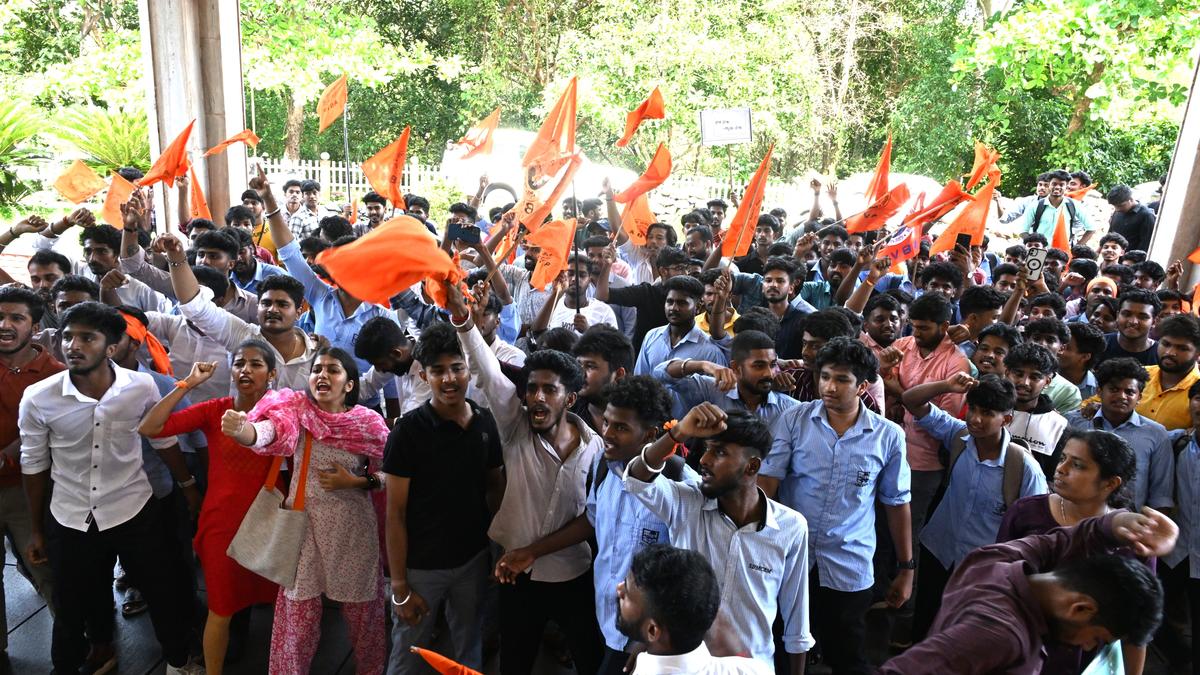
{"points": [[834, 483], [263, 270], [689, 392], [1187, 515], [762, 568], [969, 514], [623, 527], [1151, 443], [657, 348]]}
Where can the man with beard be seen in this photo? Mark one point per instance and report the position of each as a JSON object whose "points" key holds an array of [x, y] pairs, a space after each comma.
{"points": [[67, 292], [375, 205], [881, 324], [680, 338], [766, 231], [718, 208], [249, 270], [546, 451], [761, 544], [637, 408], [667, 602], [389, 350], [833, 270], [606, 356], [1135, 317], [771, 289], [24, 363], [101, 506], [698, 242], [45, 269], [647, 298], [1041, 217], [1165, 398], [569, 306]]}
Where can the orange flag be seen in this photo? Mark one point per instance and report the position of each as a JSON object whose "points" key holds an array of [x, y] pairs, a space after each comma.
{"points": [[386, 168], [972, 220], [198, 204], [434, 287], [119, 192], [442, 664], [172, 163], [534, 220], [1078, 194], [741, 227], [78, 183], [652, 108], [637, 218], [478, 138], [878, 187], [353, 211], [555, 240], [1062, 232], [950, 196], [874, 217], [248, 137], [656, 174], [386, 260], [332, 103], [1194, 257], [985, 162], [508, 247], [555, 141]]}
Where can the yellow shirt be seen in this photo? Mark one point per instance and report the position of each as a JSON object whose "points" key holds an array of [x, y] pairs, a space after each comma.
{"points": [[702, 321], [262, 237], [1169, 408]]}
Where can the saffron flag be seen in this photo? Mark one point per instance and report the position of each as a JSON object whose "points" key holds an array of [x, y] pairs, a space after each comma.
{"points": [[172, 163], [652, 108], [119, 192], [972, 220], [1079, 194], [1062, 232], [436, 289], [741, 227], [874, 217], [387, 260], [353, 211], [248, 137], [442, 664], [554, 144], [656, 174], [985, 163], [950, 196], [479, 138], [385, 169], [1194, 256], [332, 103], [534, 220], [199, 205], [903, 245], [637, 218], [78, 183], [525, 208], [555, 240], [878, 187], [507, 251]]}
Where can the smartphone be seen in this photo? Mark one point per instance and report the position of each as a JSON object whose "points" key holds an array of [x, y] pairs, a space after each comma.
{"points": [[1035, 261], [963, 240], [468, 234]]}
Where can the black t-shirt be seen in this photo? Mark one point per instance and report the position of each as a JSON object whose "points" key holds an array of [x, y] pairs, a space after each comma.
{"points": [[650, 300], [448, 516], [1136, 226], [1113, 350], [750, 264]]}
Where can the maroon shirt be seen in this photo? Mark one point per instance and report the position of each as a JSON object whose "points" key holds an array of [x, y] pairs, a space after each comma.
{"points": [[12, 386], [990, 621]]}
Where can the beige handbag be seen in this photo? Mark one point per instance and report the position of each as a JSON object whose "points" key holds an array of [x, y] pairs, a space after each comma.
{"points": [[269, 539]]}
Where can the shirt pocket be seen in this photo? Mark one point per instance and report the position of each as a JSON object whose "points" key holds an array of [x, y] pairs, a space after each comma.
{"points": [[861, 475]]}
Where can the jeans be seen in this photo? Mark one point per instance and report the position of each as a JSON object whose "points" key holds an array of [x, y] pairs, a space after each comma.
{"points": [[462, 590], [16, 525]]}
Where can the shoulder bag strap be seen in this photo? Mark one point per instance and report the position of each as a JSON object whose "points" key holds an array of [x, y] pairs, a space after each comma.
{"points": [[298, 503]]}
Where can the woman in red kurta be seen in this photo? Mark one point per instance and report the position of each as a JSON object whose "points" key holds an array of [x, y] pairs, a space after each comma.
{"points": [[235, 475]]}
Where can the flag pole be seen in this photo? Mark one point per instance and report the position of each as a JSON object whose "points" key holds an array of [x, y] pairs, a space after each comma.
{"points": [[346, 144], [575, 242]]}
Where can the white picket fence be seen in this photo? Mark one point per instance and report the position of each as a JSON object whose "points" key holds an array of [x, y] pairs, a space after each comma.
{"points": [[332, 175]]}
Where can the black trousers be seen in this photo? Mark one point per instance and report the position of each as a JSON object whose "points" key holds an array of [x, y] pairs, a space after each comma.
{"points": [[839, 625], [1182, 598], [526, 606], [82, 563], [614, 662], [932, 583]]}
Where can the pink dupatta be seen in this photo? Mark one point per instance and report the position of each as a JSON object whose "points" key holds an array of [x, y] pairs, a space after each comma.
{"points": [[359, 430]]}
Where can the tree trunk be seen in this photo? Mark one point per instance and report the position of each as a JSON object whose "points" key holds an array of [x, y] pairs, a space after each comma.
{"points": [[295, 125], [1083, 102]]}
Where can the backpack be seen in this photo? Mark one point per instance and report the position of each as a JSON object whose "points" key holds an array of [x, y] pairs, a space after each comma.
{"points": [[672, 470], [1014, 466], [1041, 208]]}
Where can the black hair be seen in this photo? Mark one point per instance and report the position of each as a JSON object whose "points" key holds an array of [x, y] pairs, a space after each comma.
{"points": [[1166, 295], [1133, 257], [1113, 456], [46, 257], [695, 218], [1084, 251], [827, 324], [1052, 300], [463, 208], [103, 234], [768, 220], [777, 250], [598, 241], [1028, 354], [1123, 368], [844, 351], [252, 195], [285, 283], [1182, 326], [980, 299], [945, 271], [1114, 237], [577, 260], [1017, 251], [1110, 303], [709, 277], [411, 200], [670, 256], [1004, 331], [1129, 598], [855, 319], [609, 344], [903, 297], [23, 296], [1083, 177], [1088, 340], [313, 245], [343, 240], [1139, 296], [1150, 269], [437, 339], [570, 375], [689, 286], [373, 197], [759, 319], [236, 213], [584, 206], [1056, 328], [1119, 194], [220, 241], [261, 345], [242, 237], [349, 365], [720, 203], [993, 393], [887, 302], [378, 337], [644, 395], [1088, 269], [780, 263], [1057, 254], [841, 256], [290, 184], [217, 282], [747, 430], [931, 307], [559, 338], [99, 316], [703, 230], [1124, 272], [747, 341], [131, 173], [680, 590], [310, 186], [1035, 238], [1003, 269], [835, 230], [1058, 174], [75, 282], [335, 227]]}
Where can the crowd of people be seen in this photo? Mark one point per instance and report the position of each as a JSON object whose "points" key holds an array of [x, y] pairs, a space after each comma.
{"points": [[664, 461]]}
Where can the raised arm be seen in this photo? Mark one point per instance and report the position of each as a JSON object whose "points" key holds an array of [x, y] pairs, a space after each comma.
{"points": [[542, 320], [614, 215], [501, 392], [498, 285], [28, 225], [916, 400], [703, 421], [858, 299], [281, 234], [156, 419]]}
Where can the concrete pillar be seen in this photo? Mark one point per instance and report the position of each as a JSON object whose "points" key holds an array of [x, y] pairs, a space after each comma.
{"points": [[193, 63], [1178, 231]]}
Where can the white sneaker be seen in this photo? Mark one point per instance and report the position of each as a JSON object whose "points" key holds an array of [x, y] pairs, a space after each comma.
{"points": [[192, 667]]}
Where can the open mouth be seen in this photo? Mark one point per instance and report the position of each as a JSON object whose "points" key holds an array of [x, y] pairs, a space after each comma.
{"points": [[323, 388], [539, 415]]}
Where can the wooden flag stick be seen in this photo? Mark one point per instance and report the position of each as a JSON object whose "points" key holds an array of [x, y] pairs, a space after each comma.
{"points": [[346, 144]]}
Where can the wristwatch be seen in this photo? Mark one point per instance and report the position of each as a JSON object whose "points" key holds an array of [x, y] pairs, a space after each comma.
{"points": [[910, 564]]}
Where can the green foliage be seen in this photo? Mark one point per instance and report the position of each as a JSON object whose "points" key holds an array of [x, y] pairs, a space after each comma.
{"points": [[1131, 155], [109, 139], [18, 125]]}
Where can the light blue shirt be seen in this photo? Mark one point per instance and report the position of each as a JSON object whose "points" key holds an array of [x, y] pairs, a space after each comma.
{"points": [[1187, 514], [762, 568], [623, 527], [834, 483], [156, 469], [689, 392], [262, 270], [1049, 220], [970, 512], [1151, 485], [656, 348], [328, 318]]}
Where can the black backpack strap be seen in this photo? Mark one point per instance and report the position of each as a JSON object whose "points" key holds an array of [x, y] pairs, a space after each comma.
{"points": [[1037, 213], [1014, 472]]}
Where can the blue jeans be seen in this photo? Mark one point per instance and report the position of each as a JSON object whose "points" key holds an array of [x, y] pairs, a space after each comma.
{"points": [[461, 589]]}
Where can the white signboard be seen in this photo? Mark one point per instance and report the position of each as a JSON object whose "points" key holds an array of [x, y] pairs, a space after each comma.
{"points": [[725, 127]]}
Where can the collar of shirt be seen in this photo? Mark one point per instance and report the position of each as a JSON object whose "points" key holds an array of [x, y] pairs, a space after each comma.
{"points": [[862, 426], [1184, 384], [1101, 422], [769, 520], [1005, 439], [121, 380], [771, 401], [38, 364], [696, 661]]}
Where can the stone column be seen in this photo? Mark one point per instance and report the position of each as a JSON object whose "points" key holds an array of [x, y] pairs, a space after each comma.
{"points": [[1178, 231]]}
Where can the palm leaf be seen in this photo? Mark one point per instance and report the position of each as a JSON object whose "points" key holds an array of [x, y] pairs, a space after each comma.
{"points": [[108, 138]]}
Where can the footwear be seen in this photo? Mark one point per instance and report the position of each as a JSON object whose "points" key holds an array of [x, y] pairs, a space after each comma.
{"points": [[133, 604], [192, 667], [100, 660]]}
